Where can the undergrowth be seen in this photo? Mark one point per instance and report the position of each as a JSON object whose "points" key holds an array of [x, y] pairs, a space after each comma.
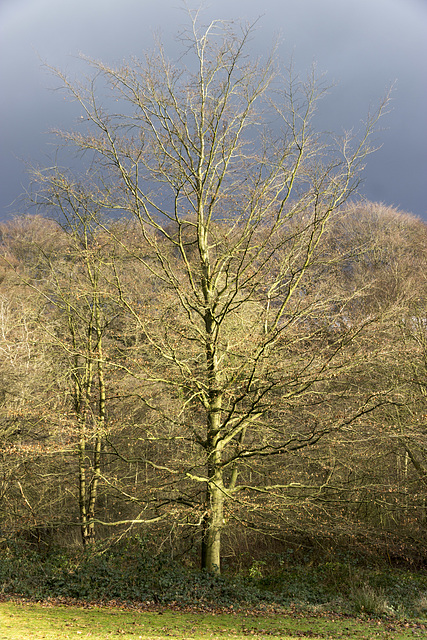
{"points": [[127, 572]]}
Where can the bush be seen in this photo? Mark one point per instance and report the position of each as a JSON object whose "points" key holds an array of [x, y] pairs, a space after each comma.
{"points": [[366, 600], [124, 572], [128, 572], [420, 605]]}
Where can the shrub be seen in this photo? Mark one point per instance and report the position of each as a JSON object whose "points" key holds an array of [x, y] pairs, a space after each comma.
{"points": [[365, 599], [128, 572]]}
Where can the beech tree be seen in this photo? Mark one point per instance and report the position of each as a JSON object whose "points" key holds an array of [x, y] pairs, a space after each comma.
{"points": [[243, 344]]}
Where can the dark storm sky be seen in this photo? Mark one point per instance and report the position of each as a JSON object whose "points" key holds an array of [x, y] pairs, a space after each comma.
{"points": [[363, 45]]}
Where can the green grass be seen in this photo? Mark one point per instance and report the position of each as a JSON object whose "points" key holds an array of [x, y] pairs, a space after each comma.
{"points": [[21, 620]]}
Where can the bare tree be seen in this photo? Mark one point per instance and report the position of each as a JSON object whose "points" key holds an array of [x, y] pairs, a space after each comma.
{"points": [[380, 462], [29, 393], [63, 339], [233, 213]]}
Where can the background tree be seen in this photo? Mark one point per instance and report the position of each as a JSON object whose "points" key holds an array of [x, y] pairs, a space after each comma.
{"points": [[30, 394], [357, 477], [381, 494]]}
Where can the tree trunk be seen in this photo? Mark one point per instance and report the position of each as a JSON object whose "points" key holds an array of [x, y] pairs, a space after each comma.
{"points": [[212, 540], [93, 491], [82, 486], [213, 523]]}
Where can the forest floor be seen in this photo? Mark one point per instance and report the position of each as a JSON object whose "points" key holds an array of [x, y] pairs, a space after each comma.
{"points": [[21, 619]]}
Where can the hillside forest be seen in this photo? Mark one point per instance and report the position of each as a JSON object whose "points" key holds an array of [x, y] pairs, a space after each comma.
{"points": [[206, 338]]}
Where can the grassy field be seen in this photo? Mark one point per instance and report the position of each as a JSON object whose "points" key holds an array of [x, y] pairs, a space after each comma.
{"points": [[29, 621]]}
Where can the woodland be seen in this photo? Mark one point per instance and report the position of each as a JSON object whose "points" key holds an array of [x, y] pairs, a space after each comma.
{"points": [[208, 341]]}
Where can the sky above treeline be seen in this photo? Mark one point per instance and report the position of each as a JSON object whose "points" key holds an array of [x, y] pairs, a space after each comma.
{"points": [[363, 46]]}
